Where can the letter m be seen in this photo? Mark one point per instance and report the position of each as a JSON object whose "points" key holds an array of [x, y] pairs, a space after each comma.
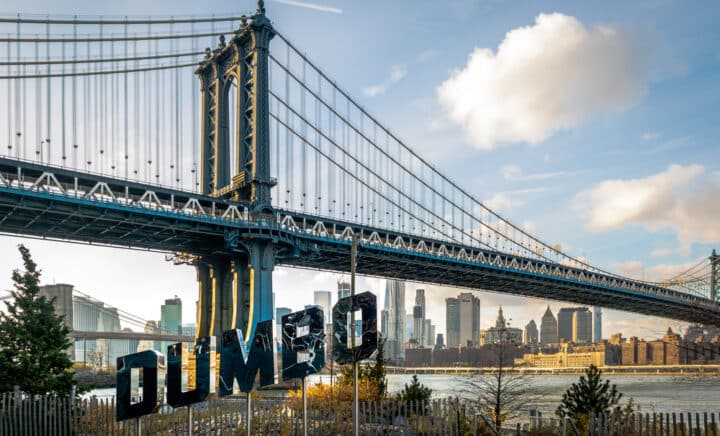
{"points": [[238, 362]]}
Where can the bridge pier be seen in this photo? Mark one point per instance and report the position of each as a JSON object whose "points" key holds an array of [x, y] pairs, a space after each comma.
{"points": [[235, 292]]}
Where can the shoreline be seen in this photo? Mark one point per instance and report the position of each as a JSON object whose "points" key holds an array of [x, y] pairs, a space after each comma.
{"points": [[683, 370]]}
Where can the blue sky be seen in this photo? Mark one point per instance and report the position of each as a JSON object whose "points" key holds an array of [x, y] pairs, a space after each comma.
{"points": [[593, 124]]}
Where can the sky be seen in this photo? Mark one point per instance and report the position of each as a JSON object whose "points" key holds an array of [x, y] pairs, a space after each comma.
{"points": [[591, 124]]}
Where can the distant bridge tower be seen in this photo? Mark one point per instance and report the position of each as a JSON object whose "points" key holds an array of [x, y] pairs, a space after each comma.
{"points": [[715, 276], [236, 290]]}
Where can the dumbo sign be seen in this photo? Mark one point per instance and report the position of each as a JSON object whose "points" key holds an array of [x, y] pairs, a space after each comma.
{"points": [[303, 353]]}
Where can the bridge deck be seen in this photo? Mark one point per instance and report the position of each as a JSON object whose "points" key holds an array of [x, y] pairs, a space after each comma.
{"points": [[58, 203]]}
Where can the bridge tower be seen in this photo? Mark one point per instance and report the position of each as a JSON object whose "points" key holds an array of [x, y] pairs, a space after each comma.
{"points": [[236, 290], [715, 276]]}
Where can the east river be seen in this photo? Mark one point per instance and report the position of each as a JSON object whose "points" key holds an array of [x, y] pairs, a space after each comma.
{"points": [[650, 393]]}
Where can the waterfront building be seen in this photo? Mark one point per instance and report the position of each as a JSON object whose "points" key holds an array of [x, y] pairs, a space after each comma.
{"points": [[462, 320], [530, 335], [568, 358], [582, 326], [324, 300], [452, 322], [396, 320], [565, 323], [597, 324], [500, 333], [548, 328]]}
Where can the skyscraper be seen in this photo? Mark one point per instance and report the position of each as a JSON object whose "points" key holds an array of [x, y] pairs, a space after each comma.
{"points": [[469, 319], [452, 321], [548, 328], [582, 326], [565, 323], [439, 341], [395, 345], [462, 319], [171, 316], [323, 299], [419, 333], [427, 333], [531, 333], [597, 324]]}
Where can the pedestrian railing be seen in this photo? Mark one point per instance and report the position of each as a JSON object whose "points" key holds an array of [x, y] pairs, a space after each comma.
{"points": [[24, 415]]}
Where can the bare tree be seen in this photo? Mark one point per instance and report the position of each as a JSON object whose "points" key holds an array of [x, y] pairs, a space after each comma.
{"points": [[502, 394]]}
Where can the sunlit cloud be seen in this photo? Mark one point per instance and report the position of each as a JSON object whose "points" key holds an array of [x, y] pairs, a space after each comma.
{"points": [[543, 78], [682, 199]]}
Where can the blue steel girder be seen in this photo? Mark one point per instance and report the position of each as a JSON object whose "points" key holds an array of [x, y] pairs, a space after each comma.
{"points": [[207, 226]]}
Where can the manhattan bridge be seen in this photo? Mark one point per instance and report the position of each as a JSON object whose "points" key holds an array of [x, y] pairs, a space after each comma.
{"points": [[245, 155]]}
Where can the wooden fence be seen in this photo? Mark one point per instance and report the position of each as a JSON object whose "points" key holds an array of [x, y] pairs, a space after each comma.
{"points": [[22, 415]]}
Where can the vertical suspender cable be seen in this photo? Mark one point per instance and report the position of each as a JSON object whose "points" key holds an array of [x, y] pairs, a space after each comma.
{"points": [[157, 127], [20, 101], [318, 138], [136, 115], [303, 148], [126, 132], [113, 103], [331, 168], [177, 116], [62, 109], [85, 107], [9, 101], [48, 129], [149, 117], [102, 109], [38, 108], [288, 140], [74, 95], [194, 115]]}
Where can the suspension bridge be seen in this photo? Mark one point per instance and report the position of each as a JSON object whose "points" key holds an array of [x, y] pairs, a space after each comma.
{"points": [[246, 155]]}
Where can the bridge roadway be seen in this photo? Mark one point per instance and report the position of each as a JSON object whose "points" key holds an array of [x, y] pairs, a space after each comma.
{"points": [[79, 336], [57, 203]]}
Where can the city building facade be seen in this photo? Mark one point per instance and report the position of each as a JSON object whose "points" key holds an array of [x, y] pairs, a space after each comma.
{"points": [[548, 328], [530, 335]]}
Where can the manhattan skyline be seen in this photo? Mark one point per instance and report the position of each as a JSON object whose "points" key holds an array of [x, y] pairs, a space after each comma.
{"points": [[617, 177]]}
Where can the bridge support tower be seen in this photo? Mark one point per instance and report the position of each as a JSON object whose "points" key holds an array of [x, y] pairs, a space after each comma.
{"points": [[236, 290]]}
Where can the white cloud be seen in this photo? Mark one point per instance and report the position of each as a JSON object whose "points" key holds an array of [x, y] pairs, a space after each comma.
{"points": [[656, 273], [513, 173], [313, 6], [649, 136], [502, 203], [543, 78], [681, 198], [397, 73]]}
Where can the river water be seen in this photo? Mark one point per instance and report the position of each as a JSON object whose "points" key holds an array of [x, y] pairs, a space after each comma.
{"points": [[650, 393]]}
